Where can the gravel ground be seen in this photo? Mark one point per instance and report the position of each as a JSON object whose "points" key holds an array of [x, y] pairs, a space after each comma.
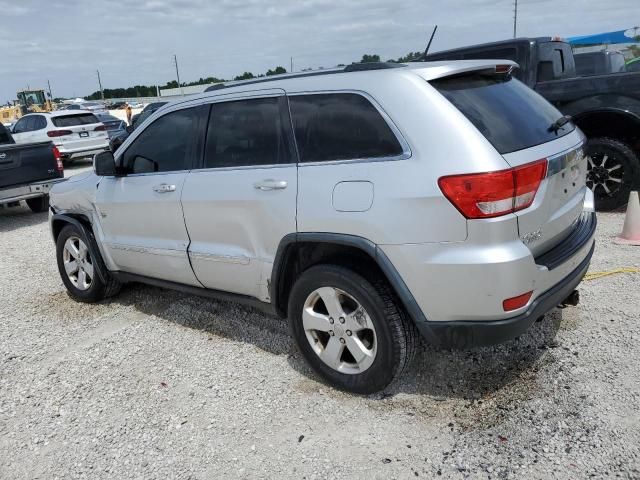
{"points": [[159, 384]]}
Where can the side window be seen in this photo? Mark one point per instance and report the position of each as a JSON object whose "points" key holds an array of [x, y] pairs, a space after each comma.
{"points": [[166, 145], [39, 122], [247, 132], [340, 126], [23, 125]]}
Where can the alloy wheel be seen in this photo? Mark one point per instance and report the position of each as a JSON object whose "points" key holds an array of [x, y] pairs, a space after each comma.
{"points": [[77, 263], [339, 330], [605, 174]]}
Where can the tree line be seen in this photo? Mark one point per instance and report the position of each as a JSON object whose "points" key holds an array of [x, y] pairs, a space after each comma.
{"points": [[151, 90]]}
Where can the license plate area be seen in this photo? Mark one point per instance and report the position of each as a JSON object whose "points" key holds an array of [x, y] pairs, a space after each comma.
{"points": [[83, 134]]}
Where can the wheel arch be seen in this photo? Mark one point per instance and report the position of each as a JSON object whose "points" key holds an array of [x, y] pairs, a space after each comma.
{"points": [[611, 122], [300, 251], [59, 221]]}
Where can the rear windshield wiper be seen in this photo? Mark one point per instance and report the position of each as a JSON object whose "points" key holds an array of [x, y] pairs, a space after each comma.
{"points": [[559, 123]]}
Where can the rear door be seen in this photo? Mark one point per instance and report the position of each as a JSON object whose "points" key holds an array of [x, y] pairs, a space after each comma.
{"points": [[520, 125], [242, 202], [140, 213], [81, 131]]}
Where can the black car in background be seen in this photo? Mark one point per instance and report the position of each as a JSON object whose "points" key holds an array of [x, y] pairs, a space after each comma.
{"points": [[114, 125], [599, 63]]}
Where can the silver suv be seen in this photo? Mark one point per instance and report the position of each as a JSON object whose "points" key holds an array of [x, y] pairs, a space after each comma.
{"points": [[369, 205]]}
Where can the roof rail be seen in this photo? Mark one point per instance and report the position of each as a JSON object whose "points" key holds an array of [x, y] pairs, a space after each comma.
{"points": [[354, 67]]}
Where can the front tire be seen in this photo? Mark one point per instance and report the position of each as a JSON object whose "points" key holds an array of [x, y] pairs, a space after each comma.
{"points": [[351, 331], [79, 270], [613, 171], [38, 204]]}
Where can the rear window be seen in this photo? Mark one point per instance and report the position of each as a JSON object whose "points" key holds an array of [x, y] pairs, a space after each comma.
{"points": [[508, 113], [75, 120]]}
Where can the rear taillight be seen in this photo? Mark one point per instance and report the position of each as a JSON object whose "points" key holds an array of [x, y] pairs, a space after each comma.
{"points": [[58, 157], [99, 128], [491, 194], [58, 133]]}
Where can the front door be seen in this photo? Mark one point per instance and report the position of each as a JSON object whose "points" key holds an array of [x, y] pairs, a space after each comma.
{"points": [[23, 129], [242, 201], [140, 213]]}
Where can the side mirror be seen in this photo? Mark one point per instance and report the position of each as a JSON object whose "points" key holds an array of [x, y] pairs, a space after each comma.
{"points": [[104, 164]]}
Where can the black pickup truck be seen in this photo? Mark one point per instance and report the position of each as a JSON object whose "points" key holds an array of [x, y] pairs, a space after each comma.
{"points": [[28, 171], [605, 107]]}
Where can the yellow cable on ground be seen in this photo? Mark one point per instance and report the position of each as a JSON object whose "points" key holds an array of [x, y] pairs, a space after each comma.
{"points": [[594, 275]]}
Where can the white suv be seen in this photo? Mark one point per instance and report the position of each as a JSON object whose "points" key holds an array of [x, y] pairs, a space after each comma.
{"points": [[75, 133], [366, 204]]}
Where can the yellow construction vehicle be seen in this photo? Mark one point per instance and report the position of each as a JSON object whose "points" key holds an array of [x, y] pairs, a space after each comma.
{"points": [[34, 101], [29, 101], [10, 114]]}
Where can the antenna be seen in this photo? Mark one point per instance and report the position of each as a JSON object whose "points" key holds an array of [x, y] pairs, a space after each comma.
{"points": [[426, 50], [175, 60], [515, 18]]}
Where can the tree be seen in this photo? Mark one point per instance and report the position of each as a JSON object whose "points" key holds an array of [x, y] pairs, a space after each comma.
{"points": [[370, 58], [410, 57], [245, 76], [276, 71]]}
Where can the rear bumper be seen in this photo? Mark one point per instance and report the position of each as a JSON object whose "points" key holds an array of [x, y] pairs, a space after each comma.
{"points": [[466, 334], [25, 192], [457, 289], [66, 153]]}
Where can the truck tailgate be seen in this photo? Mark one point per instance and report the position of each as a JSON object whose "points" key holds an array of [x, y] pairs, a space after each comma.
{"points": [[27, 163]]}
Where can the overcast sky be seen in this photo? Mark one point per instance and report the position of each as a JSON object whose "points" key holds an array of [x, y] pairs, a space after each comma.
{"points": [[133, 41]]}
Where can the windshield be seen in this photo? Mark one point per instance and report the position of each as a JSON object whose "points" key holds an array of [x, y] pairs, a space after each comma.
{"points": [[507, 112]]}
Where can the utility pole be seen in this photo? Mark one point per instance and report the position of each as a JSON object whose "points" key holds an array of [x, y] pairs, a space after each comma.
{"points": [[291, 71], [175, 60], [100, 84], [515, 18]]}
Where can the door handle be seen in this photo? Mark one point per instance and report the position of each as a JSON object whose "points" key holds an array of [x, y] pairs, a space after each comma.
{"points": [[164, 188], [270, 184]]}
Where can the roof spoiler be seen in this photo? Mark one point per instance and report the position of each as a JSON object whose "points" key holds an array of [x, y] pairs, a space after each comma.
{"points": [[441, 69]]}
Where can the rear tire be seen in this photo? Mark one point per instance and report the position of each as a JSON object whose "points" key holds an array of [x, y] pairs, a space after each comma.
{"points": [[613, 171], [79, 270], [368, 345], [38, 204]]}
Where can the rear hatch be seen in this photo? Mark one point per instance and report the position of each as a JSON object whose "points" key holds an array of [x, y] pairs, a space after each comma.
{"points": [[28, 163], [522, 127], [78, 131]]}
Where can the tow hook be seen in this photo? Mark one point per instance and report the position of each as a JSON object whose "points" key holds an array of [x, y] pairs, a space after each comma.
{"points": [[572, 300]]}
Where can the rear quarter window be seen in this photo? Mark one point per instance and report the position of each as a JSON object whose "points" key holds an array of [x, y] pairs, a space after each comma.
{"points": [[340, 126], [508, 113], [75, 120]]}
